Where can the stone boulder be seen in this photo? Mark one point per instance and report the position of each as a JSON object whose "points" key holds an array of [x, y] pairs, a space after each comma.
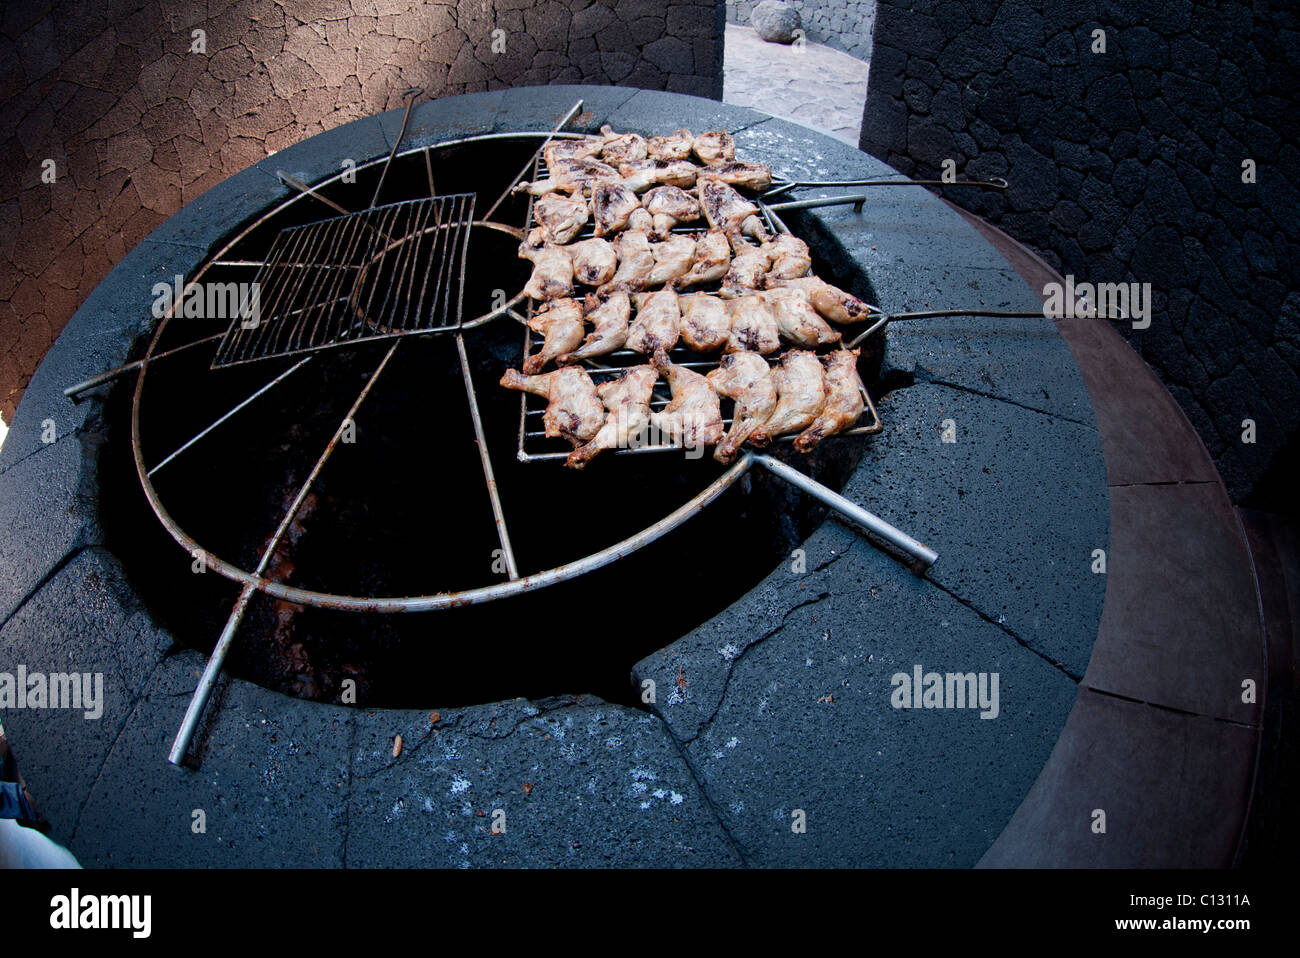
{"points": [[775, 22]]}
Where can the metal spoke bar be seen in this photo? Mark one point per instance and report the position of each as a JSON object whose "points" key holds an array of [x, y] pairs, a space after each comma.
{"points": [[208, 681], [72, 391], [996, 183], [410, 96], [481, 440], [922, 556], [265, 389], [887, 318], [857, 199], [564, 121]]}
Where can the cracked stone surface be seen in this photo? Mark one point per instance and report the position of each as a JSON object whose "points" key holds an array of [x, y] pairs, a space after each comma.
{"points": [[780, 703], [1126, 166], [137, 125]]}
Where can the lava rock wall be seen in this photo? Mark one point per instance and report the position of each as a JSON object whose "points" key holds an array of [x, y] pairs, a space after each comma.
{"points": [[841, 24], [1127, 166], [138, 120]]}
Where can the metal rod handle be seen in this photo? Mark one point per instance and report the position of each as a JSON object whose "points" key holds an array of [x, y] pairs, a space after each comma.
{"points": [[923, 556], [856, 199]]}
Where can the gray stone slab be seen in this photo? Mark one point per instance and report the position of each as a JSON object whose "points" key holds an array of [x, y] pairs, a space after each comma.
{"points": [[1181, 625], [657, 113], [1174, 789], [581, 783], [209, 217], [544, 106], [798, 152], [321, 156], [785, 704], [1014, 507], [272, 782], [86, 598]]}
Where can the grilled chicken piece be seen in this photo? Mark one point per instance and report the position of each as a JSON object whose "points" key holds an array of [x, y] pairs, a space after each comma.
{"points": [[790, 258], [748, 271], [750, 176], [552, 271], [675, 146], [801, 393], [694, 416], [706, 322], [673, 259], [635, 261], [797, 319], [670, 205], [831, 301], [641, 220], [745, 378], [609, 313], [640, 175], [628, 401], [560, 217], [570, 176], [573, 408], [712, 259], [560, 321], [844, 403], [622, 147], [594, 261], [586, 148], [613, 203], [657, 325], [753, 325], [727, 210], [716, 146]]}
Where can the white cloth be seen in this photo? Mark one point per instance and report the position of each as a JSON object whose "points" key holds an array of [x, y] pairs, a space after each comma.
{"points": [[27, 848]]}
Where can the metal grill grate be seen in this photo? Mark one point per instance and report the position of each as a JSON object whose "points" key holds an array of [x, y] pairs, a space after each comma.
{"points": [[533, 443], [383, 272]]}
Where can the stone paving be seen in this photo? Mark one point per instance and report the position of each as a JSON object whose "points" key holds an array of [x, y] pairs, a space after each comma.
{"points": [[809, 84]]}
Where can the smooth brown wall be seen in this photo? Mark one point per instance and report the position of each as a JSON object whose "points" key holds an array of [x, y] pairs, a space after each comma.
{"points": [[138, 125]]}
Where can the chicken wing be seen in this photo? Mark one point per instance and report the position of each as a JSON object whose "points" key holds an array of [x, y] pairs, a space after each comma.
{"points": [[832, 302], [670, 205], [694, 416], [790, 258], [797, 319], [727, 210], [706, 322], [745, 378], [640, 175], [844, 402], [716, 146], [801, 393], [552, 271], [635, 261], [573, 409], [657, 324], [673, 258], [594, 261], [560, 217], [748, 270], [610, 314], [712, 259], [570, 176], [613, 203], [628, 401], [750, 176], [585, 148], [675, 146], [622, 147], [753, 325], [560, 321]]}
